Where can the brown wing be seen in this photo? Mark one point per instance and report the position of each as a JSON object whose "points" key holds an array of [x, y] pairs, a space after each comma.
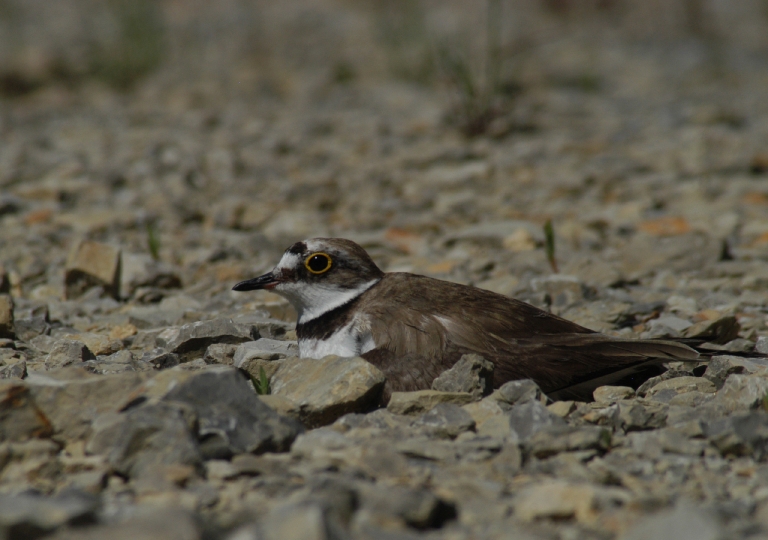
{"points": [[422, 326]]}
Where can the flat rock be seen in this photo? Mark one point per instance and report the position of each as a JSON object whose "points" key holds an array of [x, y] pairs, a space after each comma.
{"points": [[666, 390], [742, 392], [92, 264], [556, 500], [721, 367], [192, 340], [72, 398], [144, 440], [612, 394], [262, 353], [556, 439], [328, 388], [231, 417], [141, 270], [472, 374], [684, 522], [519, 391], [20, 417], [31, 516], [445, 420], [421, 401], [529, 417], [67, 352], [6, 317]]}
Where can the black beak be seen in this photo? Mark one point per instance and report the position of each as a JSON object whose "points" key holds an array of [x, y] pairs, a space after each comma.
{"points": [[267, 281]]}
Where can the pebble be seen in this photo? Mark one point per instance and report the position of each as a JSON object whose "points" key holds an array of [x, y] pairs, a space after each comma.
{"points": [[421, 401], [92, 264], [6, 316]]}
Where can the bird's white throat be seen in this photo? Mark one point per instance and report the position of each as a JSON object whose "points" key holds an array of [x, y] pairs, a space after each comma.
{"points": [[312, 300]]}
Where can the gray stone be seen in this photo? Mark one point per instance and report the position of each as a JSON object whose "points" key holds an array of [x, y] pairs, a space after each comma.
{"points": [[666, 390], [761, 345], [446, 420], [721, 367], [522, 390], [684, 522], [232, 419], [72, 398], [28, 328], [556, 499], [140, 270], [742, 392], [612, 394], [144, 522], [20, 416], [16, 370], [92, 264], [220, 353], [32, 516], [472, 374], [6, 317], [553, 440], [417, 508], [67, 352], [653, 381], [528, 417], [253, 356], [191, 340], [666, 326], [142, 441], [421, 401], [160, 358], [720, 330], [629, 416], [742, 434], [119, 362], [328, 388]]}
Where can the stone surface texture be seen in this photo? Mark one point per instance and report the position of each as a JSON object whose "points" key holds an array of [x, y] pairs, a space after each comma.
{"points": [[154, 153]]}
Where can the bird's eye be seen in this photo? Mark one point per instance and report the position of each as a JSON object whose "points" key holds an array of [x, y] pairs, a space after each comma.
{"points": [[318, 263]]}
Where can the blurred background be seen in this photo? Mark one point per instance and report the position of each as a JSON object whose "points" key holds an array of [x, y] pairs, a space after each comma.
{"points": [[441, 134]]}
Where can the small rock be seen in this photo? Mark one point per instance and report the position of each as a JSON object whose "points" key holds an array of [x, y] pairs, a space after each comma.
{"points": [[253, 355], [192, 340], [742, 392], [743, 434], [123, 331], [92, 264], [231, 417], [20, 417], [446, 420], [29, 515], [66, 352], [293, 522], [562, 290], [472, 374], [557, 500], [329, 388], [556, 439], [612, 394], [142, 440], [72, 398], [98, 344], [17, 370], [521, 390], [664, 391], [652, 444], [528, 417], [146, 522], [666, 326], [6, 317], [761, 345], [684, 522], [160, 358], [562, 408], [140, 270], [418, 508], [720, 368], [720, 330], [27, 329], [220, 353], [422, 401], [653, 381], [630, 416]]}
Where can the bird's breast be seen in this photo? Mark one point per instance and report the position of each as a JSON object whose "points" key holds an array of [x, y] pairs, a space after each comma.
{"points": [[349, 340]]}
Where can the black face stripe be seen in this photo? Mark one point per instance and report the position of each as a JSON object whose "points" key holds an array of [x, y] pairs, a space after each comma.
{"points": [[298, 248]]}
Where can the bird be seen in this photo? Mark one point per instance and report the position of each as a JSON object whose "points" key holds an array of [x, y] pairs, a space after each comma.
{"points": [[414, 327]]}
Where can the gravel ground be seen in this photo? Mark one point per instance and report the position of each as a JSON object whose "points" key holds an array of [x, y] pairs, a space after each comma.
{"points": [[125, 219]]}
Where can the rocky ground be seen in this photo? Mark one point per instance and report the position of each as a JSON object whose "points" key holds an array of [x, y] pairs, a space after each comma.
{"points": [[130, 370]]}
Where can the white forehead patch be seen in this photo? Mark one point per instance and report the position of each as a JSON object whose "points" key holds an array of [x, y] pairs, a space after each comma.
{"points": [[315, 245], [289, 261]]}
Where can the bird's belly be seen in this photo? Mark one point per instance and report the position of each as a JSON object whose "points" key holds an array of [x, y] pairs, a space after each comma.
{"points": [[346, 341]]}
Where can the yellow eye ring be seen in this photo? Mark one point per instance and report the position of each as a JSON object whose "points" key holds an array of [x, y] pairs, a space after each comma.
{"points": [[318, 263]]}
